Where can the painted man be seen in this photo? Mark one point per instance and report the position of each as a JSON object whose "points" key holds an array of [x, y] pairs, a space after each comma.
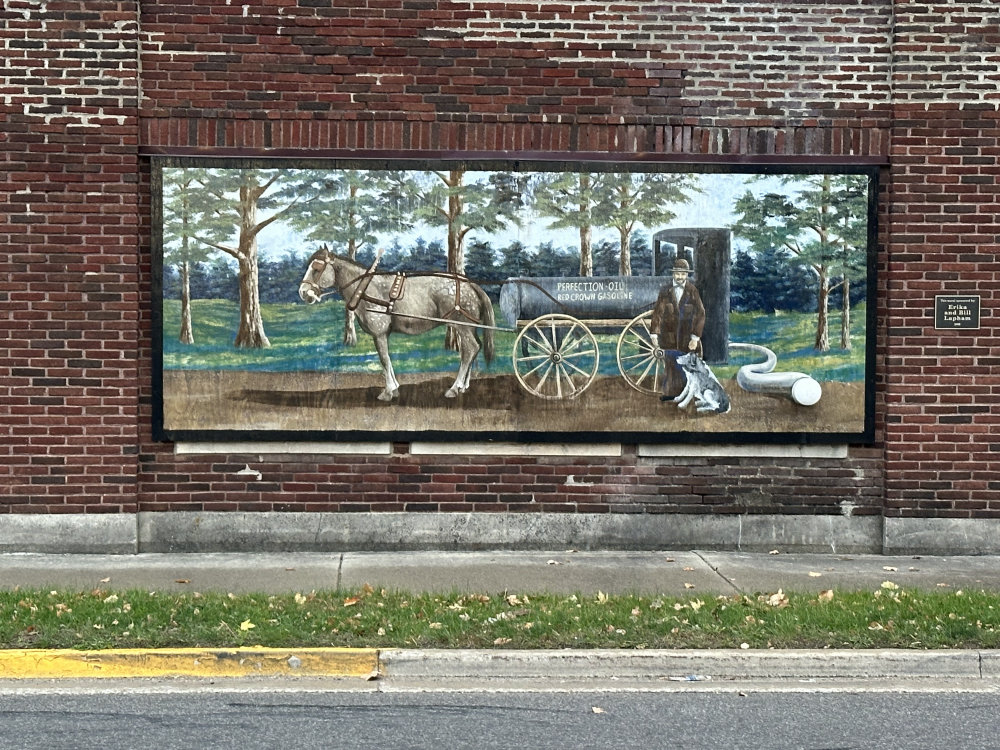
{"points": [[678, 321]]}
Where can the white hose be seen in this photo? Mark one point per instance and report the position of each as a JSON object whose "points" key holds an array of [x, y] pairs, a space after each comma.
{"points": [[759, 378]]}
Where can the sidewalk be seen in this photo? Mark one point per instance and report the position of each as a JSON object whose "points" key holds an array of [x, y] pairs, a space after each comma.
{"points": [[669, 573]]}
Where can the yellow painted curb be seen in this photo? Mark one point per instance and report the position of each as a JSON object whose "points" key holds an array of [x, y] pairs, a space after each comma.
{"points": [[188, 662]]}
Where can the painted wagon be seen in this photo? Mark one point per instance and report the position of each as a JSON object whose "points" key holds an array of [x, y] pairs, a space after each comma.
{"points": [[556, 354]]}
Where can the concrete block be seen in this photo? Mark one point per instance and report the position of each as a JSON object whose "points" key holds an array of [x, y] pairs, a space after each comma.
{"points": [[941, 536], [71, 533]]}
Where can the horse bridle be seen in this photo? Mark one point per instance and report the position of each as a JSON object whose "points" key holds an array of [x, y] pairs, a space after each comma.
{"points": [[315, 288]]}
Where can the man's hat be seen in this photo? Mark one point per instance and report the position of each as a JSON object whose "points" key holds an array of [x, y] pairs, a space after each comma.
{"points": [[681, 266]]}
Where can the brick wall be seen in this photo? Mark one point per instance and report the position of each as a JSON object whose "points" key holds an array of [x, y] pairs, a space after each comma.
{"points": [[69, 255], [944, 233], [696, 79]]}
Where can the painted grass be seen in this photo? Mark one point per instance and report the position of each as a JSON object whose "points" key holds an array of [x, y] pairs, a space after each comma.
{"points": [[886, 618], [309, 337]]}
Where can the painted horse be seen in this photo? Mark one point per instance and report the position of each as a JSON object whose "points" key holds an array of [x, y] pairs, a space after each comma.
{"points": [[386, 303]]}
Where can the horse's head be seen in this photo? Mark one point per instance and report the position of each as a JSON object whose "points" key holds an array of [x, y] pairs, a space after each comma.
{"points": [[320, 275]]}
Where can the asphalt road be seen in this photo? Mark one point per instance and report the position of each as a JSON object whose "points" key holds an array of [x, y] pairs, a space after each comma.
{"points": [[68, 716]]}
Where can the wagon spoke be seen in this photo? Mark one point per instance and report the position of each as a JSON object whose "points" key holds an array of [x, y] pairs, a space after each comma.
{"points": [[639, 360], [545, 376], [534, 358], [570, 363], [641, 356], [542, 344], [650, 366], [537, 367]]}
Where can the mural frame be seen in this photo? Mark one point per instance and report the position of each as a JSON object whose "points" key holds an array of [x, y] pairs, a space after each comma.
{"points": [[186, 389]]}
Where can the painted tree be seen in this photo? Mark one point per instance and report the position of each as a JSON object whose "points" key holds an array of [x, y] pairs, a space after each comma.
{"points": [[461, 205], [851, 210], [348, 209], [568, 198], [180, 247], [805, 220], [627, 200], [235, 206]]}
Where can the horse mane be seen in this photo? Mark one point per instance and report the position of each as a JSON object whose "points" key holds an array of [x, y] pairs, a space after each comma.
{"points": [[324, 251]]}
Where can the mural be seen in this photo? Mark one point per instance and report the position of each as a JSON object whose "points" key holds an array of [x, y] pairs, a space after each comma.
{"points": [[587, 300]]}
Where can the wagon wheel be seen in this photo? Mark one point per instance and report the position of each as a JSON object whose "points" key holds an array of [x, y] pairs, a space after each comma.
{"points": [[640, 362], [555, 357]]}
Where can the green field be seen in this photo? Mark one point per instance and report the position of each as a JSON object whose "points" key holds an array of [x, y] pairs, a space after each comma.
{"points": [[308, 338]]}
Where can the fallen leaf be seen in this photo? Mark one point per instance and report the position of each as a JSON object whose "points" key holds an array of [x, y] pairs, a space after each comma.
{"points": [[778, 599], [553, 562], [602, 598], [689, 585], [104, 580], [688, 569], [513, 601], [351, 601], [890, 568], [826, 596], [435, 626], [182, 580], [300, 599], [774, 552], [744, 646], [890, 586], [501, 641], [670, 559], [597, 710], [247, 625], [814, 574]]}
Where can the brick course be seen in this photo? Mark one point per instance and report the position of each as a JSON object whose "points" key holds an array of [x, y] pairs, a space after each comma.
{"points": [[88, 88]]}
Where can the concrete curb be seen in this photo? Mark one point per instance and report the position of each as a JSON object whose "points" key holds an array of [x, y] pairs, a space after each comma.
{"points": [[442, 665], [188, 662], [683, 664]]}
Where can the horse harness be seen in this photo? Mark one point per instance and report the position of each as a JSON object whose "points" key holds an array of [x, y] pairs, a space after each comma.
{"points": [[398, 287]]}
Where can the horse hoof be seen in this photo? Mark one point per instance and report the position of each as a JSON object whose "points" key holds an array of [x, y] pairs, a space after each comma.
{"points": [[450, 393], [387, 396]]}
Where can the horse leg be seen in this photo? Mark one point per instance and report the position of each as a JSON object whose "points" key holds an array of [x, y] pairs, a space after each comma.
{"points": [[391, 384], [468, 348], [350, 332]]}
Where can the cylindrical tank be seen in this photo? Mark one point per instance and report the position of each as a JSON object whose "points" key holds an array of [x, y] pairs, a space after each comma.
{"points": [[589, 298]]}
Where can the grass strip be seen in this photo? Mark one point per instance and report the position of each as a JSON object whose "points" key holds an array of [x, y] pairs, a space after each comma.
{"points": [[886, 618]]}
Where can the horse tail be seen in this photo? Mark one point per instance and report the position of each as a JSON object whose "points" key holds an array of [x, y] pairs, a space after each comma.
{"points": [[488, 318]]}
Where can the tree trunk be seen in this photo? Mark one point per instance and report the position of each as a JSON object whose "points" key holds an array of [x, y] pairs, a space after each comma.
{"points": [[823, 314], [625, 257], [251, 332], [586, 232], [187, 332], [586, 252], [456, 242], [845, 317]]}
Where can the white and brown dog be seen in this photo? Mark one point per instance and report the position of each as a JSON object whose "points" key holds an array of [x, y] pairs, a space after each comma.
{"points": [[702, 387]]}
